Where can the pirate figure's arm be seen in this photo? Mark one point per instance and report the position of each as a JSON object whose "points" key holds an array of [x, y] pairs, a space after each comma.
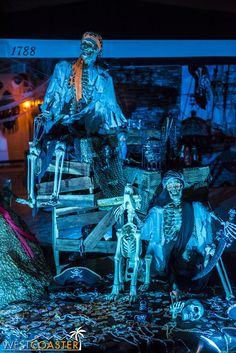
{"points": [[54, 99]]}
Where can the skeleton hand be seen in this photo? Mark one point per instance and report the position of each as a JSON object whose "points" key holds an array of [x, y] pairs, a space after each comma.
{"points": [[139, 222], [114, 293], [45, 116], [66, 119], [118, 212], [210, 249], [176, 308], [229, 227]]}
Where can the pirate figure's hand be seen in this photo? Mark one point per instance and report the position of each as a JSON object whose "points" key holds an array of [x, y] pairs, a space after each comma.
{"points": [[66, 119], [210, 249], [176, 308]]}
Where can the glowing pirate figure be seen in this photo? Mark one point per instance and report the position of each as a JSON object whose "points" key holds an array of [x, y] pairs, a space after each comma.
{"points": [[80, 98], [181, 241], [129, 248]]}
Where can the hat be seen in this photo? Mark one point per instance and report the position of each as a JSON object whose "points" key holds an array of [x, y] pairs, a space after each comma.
{"points": [[170, 175], [95, 37]]}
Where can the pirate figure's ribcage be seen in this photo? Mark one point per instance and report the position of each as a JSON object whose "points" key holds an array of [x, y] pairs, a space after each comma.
{"points": [[87, 92], [87, 88], [172, 221]]}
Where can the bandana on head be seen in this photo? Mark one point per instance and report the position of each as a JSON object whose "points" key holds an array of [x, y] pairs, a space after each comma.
{"points": [[76, 78], [95, 38], [170, 175]]}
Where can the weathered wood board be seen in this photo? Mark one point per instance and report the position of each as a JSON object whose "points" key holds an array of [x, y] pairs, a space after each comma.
{"points": [[71, 245], [68, 244], [67, 185], [81, 220], [72, 209], [106, 247], [196, 175], [74, 168], [99, 231], [68, 200]]}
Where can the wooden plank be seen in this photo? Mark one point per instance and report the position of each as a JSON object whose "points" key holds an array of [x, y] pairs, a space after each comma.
{"points": [[73, 245], [196, 175], [72, 233], [81, 220], [67, 210], [143, 178], [69, 200], [67, 185], [106, 247], [109, 202], [113, 201], [99, 231], [68, 244], [74, 168]]}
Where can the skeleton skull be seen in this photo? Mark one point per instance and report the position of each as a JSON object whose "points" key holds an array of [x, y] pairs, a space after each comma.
{"points": [[89, 51], [174, 187], [193, 310]]}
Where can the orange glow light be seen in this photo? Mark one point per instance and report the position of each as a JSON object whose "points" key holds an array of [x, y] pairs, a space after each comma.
{"points": [[26, 104]]}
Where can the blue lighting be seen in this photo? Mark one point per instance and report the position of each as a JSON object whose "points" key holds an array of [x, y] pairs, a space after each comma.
{"points": [[211, 343], [40, 48]]}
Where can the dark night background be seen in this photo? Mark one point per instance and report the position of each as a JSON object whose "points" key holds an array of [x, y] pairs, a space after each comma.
{"points": [[146, 19], [159, 86]]}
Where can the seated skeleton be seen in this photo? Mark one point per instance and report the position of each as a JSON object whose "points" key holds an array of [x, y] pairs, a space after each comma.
{"points": [[80, 101]]}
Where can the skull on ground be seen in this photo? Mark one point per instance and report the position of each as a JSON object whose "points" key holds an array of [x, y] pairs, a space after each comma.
{"points": [[192, 311]]}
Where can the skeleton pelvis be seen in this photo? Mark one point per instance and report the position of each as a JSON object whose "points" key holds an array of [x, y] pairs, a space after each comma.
{"points": [[129, 270]]}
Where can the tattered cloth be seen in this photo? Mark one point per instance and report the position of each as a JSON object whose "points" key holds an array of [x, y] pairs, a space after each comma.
{"points": [[20, 233], [22, 277]]}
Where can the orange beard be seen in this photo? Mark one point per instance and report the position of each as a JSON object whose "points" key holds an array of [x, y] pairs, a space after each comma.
{"points": [[76, 78]]}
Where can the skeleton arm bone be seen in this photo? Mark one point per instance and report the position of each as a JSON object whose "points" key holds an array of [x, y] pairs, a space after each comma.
{"points": [[229, 227]]}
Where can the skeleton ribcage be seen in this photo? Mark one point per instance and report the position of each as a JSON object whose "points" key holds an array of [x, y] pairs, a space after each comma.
{"points": [[128, 246], [87, 88], [172, 221], [87, 91]]}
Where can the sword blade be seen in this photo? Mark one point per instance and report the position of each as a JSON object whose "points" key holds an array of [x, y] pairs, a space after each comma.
{"points": [[219, 251]]}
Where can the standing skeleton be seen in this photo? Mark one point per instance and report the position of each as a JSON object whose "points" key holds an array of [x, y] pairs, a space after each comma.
{"points": [[80, 97], [129, 249], [180, 236]]}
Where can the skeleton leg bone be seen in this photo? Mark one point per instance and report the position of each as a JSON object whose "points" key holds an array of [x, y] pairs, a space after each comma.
{"points": [[144, 287], [133, 285], [121, 271], [32, 158], [224, 279], [117, 275], [60, 155]]}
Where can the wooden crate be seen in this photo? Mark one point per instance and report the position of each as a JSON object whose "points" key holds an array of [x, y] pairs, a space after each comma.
{"points": [[196, 175], [67, 224], [77, 186], [73, 168], [145, 184]]}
